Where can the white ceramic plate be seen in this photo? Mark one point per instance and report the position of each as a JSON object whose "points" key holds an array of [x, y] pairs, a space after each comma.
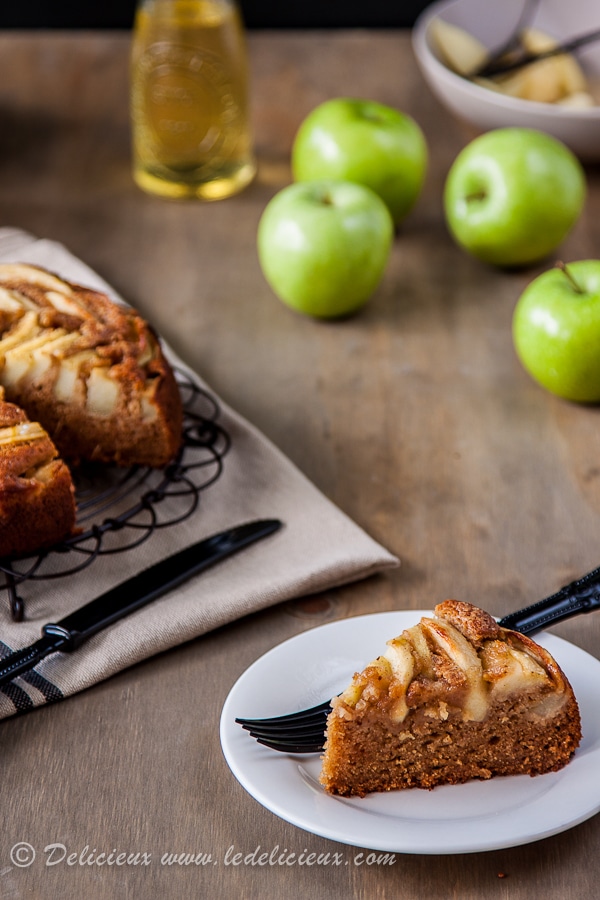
{"points": [[478, 816]]}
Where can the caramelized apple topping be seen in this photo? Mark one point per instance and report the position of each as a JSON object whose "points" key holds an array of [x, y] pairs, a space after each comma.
{"points": [[460, 659], [76, 340]]}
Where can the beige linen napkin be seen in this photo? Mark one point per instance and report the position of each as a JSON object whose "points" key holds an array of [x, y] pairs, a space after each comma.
{"points": [[318, 548]]}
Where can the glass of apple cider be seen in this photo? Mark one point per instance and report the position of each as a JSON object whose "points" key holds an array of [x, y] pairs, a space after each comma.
{"points": [[189, 99]]}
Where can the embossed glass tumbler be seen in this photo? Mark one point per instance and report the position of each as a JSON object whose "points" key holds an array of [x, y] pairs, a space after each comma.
{"points": [[189, 99]]}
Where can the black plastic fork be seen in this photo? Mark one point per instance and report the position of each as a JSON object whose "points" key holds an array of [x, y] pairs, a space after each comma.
{"points": [[304, 731]]}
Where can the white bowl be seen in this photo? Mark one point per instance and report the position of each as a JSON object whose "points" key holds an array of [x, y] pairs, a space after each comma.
{"points": [[492, 21]]}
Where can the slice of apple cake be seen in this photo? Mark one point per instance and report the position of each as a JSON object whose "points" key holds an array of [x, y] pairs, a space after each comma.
{"points": [[37, 504], [455, 697], [90, 371]]}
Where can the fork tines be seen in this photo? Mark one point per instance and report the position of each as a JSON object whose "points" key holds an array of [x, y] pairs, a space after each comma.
{"points": [[301, 732]]}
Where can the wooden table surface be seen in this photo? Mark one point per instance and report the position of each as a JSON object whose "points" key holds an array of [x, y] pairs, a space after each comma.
{"points": [[414, 417]]}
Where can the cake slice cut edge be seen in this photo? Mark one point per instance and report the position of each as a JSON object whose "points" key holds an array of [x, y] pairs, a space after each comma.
{"points": [[455, 697], [37, 496]]}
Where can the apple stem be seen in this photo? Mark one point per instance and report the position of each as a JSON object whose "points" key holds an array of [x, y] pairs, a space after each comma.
{"points": [[477, 195], [576, 287]]}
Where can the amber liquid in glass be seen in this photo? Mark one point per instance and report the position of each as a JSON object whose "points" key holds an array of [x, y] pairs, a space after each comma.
{"points": [[189, 100]]}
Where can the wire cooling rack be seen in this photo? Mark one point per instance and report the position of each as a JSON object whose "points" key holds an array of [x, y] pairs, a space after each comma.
{"points": [[118, 509]]}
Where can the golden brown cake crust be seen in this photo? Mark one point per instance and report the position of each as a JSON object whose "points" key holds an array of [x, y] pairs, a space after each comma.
{"points": [[476, 624], [454, 698]]}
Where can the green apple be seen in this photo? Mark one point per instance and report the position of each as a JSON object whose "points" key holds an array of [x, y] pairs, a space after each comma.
{"points": [[556, 330], [365, 142], [323, 246], [512, 196]]}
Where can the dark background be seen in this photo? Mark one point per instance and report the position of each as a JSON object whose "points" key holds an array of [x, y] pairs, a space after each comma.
{"points": [[257, 13]]}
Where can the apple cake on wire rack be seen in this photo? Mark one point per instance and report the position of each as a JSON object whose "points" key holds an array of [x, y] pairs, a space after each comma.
{"points": [[139, 440]]}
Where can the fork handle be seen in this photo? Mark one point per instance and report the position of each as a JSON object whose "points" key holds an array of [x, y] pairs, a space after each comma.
{"points": [[582, 595]]}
